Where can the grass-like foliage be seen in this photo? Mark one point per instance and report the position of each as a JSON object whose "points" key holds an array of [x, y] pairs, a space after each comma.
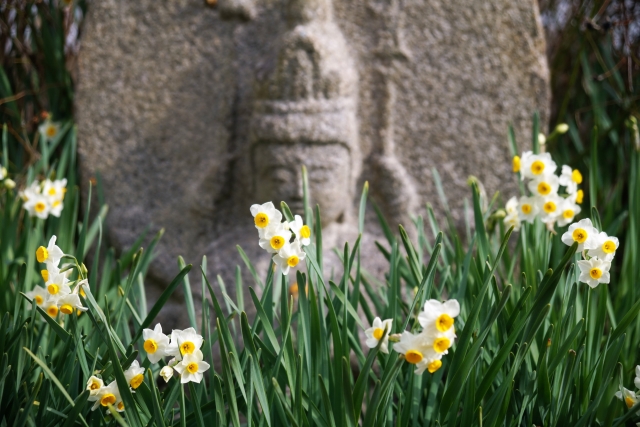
{"points": [[533, 347]]}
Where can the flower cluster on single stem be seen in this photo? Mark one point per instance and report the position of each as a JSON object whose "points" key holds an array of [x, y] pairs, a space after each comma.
{"points": [[45, 198]]}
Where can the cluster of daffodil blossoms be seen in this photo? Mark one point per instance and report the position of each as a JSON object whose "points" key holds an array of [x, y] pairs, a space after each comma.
{"points": [[57, 294], [276, 236], [183, 346], [630, 397], [425, 349], [45, 198], [105, 395], [545, 201], [598, 250]]}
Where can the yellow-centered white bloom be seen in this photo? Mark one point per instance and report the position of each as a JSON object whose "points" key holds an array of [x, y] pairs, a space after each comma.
{"points": [[438, 316], [30, 192], [51, 255], [264, 215], [107, 395], [186, 342], [418, 350], [377, 332], [38, 206], [536, 165], [577, 197], [568, 212], [289, 256], [50, 305], [49, 129], [544, 185], [550, 207], [54, 190], [606, 247], [582, 232], [570, 178], [38, 294], [58, 284], [94, 385], [69, 303], [528, 208], [274, 238], [628, 397], [157, 345], [191, 367], [512, 206], [302, 231], [166, 373], [594, 271], [134, 375], [512, 220]]}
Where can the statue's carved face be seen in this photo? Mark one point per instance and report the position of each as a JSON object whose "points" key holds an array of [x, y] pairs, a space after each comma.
{"points": [[278, 176]]}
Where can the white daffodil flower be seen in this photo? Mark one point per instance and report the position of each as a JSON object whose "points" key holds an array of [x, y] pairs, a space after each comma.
{"points": [[577, 197], [544, 185], [375, 333], [265, 214], [512, 220], [302, 231], [627, 396], [549, 207], [50, 305], [568, 212], [191, 367], [570, 178], [418, 350], [58, 284], [594, 271], [49, 129], [512, 206], [39, 294], [636, 381], [54, 190], [289, 256], [582, 232], [107, 395], [69, 303], [166, 373], [606, 247], [186, 342], [134, 375], [528, 209], [30, 192], [439, 316], [535, 165], [94, 385], [52, 254], [38, 206], [56, 208], [157, 344], [274, 238]]}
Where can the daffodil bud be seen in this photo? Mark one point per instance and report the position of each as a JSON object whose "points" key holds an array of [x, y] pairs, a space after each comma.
{"points": [[541, 138], [562, 128], [9, 184], [166, 373]]}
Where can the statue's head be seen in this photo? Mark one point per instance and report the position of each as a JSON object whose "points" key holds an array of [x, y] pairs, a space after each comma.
{"points": [[305, 114]]}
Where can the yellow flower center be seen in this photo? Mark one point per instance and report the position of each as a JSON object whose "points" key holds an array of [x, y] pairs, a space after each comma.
{"points": [[579, 196], [608, 247], [544, 188], [549, 207], [378, 333], [150, 346], [441, 344], [293, 260], [94, 385], [51, 131], [40, 207], [568, 214], [537, 167], [108, 399], [56, 203], [136, 381], [52, 311], [595, 273], [576, 176], [516, 164], [413, 356], [434, 366], [42, 254], [579, 235], [52, 191], [187, 347], [629, 401], [66, 308], [444, 322], [39, 299], [261, 220], [121, 406], [277, 242], [305, 232], [45, 275], [192, 367], [525, 208], [53, 289]]}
